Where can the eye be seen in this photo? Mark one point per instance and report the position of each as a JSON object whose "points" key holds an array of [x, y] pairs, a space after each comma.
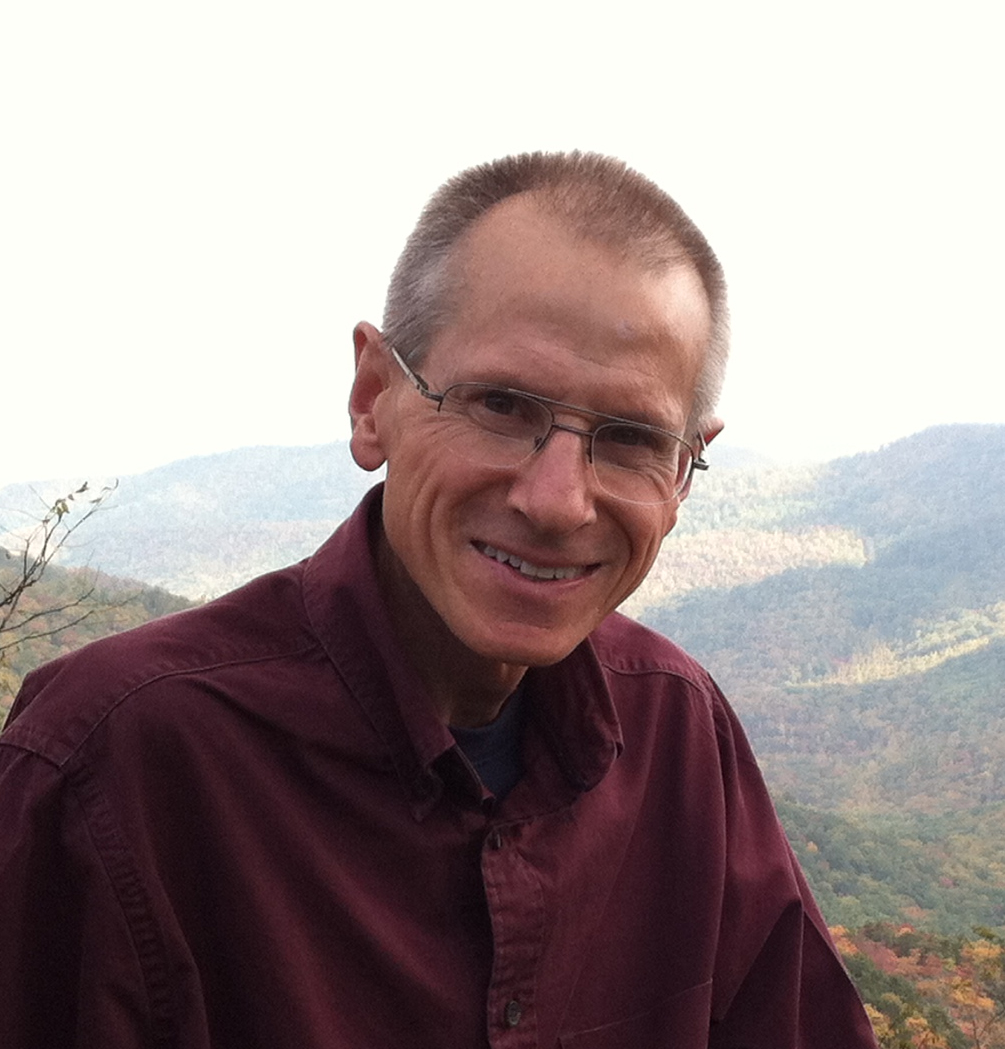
{"points": [[505, 411], [624, 435], [639, 448], [500, 402], [497, 410], [478, 399]]}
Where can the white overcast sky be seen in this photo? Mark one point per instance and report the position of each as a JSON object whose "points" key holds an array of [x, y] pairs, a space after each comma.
{"points": [[199, 199]]}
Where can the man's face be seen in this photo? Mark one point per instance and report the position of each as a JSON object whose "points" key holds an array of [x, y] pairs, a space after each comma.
{"points": [[543, 312]]}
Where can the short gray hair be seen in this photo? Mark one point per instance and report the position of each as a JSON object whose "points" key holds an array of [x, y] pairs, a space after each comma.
{"points": [[600, 197]]}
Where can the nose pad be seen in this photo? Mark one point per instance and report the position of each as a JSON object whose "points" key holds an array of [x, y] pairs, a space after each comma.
{"points": [[540, 442]]}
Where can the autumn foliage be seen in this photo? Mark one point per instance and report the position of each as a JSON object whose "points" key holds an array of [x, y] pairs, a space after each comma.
{"points": [[924, 991]]}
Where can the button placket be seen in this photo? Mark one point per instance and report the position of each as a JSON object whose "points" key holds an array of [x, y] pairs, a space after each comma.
{"points": [[516, 909]]}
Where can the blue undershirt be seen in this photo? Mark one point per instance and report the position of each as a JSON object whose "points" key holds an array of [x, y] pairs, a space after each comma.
{"points": [[496, 749]]}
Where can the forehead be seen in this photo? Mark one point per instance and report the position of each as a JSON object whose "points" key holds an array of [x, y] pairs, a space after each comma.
{"points": [[532, 296]]}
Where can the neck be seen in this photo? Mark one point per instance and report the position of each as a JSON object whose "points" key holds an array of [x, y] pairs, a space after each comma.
{"points": [[467, 689]]}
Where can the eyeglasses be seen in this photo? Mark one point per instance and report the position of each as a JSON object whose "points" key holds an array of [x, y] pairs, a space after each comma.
{"points": [[631, 461]]}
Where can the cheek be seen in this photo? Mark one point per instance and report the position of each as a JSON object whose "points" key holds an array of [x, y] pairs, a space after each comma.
{"points": [[647, 535], [421, 497], [653, 524]]}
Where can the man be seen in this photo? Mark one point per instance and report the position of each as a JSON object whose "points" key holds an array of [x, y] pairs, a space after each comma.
{"points": [[425, 789]]}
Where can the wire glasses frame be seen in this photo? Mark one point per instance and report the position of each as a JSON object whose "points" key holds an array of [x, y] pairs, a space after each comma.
{"points": [[632, 461]]}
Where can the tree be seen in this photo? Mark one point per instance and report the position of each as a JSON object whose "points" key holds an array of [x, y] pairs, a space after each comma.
{"points": [[22, 569], [979, 992]]}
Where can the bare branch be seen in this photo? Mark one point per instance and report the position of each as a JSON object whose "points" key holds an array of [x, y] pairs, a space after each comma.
{"points": [[37, 551], [51, 632], [51, 610]]}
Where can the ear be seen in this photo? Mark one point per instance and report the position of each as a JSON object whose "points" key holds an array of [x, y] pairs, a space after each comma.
{"points": [[373, 376], [713, 427]]}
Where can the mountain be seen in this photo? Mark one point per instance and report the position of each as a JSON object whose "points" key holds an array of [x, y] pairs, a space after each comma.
{"points": [[202, 526], [874, 680], [838, 604], [853, 611]]}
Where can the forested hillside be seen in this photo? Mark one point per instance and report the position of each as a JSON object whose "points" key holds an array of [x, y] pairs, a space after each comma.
{"points": [[67, 609], [870, 674], [876, 681], [853, 612], [202, 526]]}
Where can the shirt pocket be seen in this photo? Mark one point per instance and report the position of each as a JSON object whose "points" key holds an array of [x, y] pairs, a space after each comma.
{"points": [[680, 1022]]}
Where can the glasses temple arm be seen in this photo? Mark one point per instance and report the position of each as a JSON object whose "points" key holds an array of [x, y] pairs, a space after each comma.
{"points": [[416, 380]]}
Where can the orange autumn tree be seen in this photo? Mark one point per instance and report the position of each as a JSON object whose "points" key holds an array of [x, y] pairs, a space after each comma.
{"points": [[924, 991], [977, 995]]}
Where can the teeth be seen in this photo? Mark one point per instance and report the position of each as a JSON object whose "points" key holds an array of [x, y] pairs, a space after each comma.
{"points": [[526, 568]]}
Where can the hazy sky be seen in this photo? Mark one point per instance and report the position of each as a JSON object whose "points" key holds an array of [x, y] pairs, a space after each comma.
{"points": [[199, 200]]}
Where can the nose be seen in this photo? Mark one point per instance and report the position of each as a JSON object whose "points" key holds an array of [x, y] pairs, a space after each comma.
{"points": [[555, 488]]}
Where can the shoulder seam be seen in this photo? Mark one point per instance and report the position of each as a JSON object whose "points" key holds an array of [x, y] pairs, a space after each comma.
{"points": [[36, 743]]}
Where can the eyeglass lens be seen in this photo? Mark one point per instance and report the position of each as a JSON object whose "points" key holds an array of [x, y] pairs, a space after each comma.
{"points": [[632, 462]]}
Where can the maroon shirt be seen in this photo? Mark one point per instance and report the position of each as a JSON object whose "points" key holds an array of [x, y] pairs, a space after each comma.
{"points": [[243, 827]]}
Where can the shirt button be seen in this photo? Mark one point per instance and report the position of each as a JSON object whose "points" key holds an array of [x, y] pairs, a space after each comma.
{"points": [[513, 1013]]}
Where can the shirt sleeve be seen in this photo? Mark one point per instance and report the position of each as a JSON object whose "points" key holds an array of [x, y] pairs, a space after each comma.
{"points": [[69, 967]]}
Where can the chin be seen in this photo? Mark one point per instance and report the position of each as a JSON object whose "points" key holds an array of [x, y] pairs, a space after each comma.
{"points": [[525, 651]]}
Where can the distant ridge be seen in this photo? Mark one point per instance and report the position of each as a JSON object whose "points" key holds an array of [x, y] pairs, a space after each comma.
{"points": [[874, 679], [203, 525], [853, 612]]}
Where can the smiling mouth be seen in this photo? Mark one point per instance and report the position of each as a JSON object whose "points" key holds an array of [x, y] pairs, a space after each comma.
{"points": [[531, 570]]}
